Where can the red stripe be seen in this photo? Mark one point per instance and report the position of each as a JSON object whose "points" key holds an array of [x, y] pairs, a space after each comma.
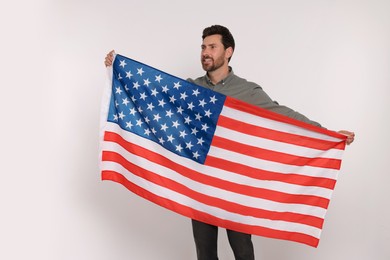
{"points": [[204, 217], [279, 136], [273, 156], [233, 207], [267, 175], [258, 111], [216, 182]]}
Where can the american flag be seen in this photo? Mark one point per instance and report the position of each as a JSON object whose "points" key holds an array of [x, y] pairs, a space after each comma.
{"points": [[214, 158]]}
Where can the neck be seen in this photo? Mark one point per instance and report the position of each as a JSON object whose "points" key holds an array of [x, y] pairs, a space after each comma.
{"points": [[217, 75]]}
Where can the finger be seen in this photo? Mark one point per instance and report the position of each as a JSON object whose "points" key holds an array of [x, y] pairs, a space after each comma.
{"points": [[111, 53], [350, 140], [108, 60]]}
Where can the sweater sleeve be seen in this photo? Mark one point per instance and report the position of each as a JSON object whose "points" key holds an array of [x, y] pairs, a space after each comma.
{"points": [[261, 99], [252, 93]]}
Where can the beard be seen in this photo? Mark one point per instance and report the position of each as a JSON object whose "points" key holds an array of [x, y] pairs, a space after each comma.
{"points": [[209, 64]]}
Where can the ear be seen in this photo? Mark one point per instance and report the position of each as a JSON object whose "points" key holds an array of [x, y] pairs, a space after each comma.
{"points": [[229, 52]]}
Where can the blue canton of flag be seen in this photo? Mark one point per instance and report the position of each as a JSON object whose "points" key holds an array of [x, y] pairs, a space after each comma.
{"points": [[177, 114]]}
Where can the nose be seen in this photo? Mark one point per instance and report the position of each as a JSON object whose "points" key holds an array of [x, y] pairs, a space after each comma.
{"points": [[205, 53]]}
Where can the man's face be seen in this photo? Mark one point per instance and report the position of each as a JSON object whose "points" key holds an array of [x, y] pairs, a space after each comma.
{"points": [[213, 54]]}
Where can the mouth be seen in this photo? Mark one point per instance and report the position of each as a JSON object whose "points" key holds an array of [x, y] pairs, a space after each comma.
{"points": [[207, 60]]}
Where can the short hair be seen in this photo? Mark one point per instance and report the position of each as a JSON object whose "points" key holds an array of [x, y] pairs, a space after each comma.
{"points": [[227, 37]]}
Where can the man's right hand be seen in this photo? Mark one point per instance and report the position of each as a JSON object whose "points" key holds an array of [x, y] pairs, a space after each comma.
{"points": [[109, 58]]}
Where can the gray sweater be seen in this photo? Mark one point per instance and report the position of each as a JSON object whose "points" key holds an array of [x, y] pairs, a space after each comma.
{"points": [[249, 92]]}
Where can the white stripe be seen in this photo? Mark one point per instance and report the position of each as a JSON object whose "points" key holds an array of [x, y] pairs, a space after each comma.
{"points": [[276, 145], [213, 191], [272, 166], [217, 212], [219, 173], [275, 125]]}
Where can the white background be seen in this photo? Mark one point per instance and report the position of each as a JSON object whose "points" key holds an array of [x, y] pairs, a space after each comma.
{"points": [[330, 60]]}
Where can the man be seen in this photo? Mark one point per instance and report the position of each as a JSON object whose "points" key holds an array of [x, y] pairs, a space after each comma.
{"points": [[217, 49]]}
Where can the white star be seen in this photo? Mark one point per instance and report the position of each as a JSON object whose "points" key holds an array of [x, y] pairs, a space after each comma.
{"points": [[177, 85], [140, 71], [169, 113], [116, 103], [126, 88], [136, 85], [202, 103], [129, 125], [200, 141], [147, 131], [171, 138], [183, 96], [128, 74], [156, 117], [191, 106], [176, 124], [123, 63], [198, 117], [133, 111], [118, 90], [194, 131], [189, 145], [115, 117], [158, 78], [154, 131], [208, 113], [154, 92], [205, 127], [146, 82], [213, 99], [179, 148], [161, 140], [125, 101], [139, 122], [121, 115], [195, 92], [183, 134], [187, 120], [180, 110], [143, 96], [195, 155], [147, 120], [164, 127], [161, 103], [172, 99], [119, 76], [165, 89], [150, 106]]}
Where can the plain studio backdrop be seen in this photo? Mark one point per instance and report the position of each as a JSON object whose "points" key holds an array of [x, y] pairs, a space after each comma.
{"points": [[329, 60]]}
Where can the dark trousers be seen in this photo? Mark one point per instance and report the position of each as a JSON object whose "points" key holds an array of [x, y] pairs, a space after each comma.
{"points": [[206, 235]]}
